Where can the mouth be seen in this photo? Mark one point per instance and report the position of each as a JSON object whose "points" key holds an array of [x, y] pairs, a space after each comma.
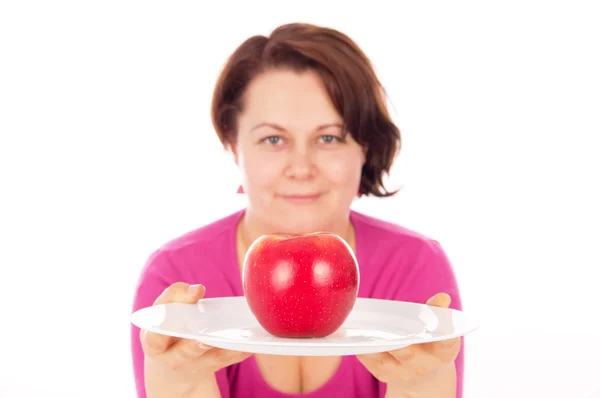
{"points": [[301, 198]]}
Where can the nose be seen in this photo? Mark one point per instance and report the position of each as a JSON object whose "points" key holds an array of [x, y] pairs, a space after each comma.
{"points": [[301, 164]]}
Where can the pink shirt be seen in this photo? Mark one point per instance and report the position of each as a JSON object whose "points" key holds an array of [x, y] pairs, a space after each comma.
{"points": [[395, 263]]}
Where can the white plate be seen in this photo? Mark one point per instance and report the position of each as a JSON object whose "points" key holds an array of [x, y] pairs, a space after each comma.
{"points": [[373, 326]]}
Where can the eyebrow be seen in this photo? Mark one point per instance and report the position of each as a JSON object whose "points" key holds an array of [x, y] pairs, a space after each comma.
{"points": [[281, 128]]}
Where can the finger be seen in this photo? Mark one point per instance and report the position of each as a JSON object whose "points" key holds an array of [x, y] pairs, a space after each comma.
{"points": [[213, 358], [185, 350], [218, 358], [415, 361], [445, 350], [154, 343], [181, 293], [381, 365], [440, 300]]}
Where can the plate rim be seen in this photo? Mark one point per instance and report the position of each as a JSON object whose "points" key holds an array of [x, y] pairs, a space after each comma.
{"points": [[312, 343]]}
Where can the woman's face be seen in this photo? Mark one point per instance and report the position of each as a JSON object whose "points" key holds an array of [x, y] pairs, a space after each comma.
{"points": [[299, 170]]}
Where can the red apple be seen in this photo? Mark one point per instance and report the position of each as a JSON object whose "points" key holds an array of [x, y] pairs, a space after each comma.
{"points": [[300, 285]]}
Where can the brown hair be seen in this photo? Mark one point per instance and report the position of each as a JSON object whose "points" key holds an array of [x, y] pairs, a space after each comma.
{"points": [[349, 78]]}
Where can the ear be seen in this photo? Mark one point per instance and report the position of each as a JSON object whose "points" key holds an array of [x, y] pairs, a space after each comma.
{"points": [[233, 148], [365, 150]]}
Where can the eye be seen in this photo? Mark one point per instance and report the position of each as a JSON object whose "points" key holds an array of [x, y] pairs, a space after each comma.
{"points": [[272, 140], [330, 138]]}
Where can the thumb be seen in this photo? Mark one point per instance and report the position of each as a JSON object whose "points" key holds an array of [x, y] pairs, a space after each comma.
{"points": [[440, 300], [187, 350], [154, 343]]}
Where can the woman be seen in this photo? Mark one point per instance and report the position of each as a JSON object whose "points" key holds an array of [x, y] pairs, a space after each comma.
{"points": [[304, 116]]}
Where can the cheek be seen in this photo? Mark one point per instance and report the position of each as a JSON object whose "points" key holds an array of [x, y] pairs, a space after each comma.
{"points": [[260, 171], [343, 170]]}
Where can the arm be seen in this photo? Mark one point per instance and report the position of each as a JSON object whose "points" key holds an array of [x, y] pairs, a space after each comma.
{"points": [[442, 385], [158, 274], [431, 273], [207, 388]]}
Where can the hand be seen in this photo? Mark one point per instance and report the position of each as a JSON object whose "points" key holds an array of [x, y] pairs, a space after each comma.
{"points": [[409, 367], [172, 363]]}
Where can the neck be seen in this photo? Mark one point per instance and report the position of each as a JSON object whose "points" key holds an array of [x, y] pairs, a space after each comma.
{"points": [[251, 227]]}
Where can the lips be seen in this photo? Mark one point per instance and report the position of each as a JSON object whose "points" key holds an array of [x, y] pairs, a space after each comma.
{"points": [[301, 198]]}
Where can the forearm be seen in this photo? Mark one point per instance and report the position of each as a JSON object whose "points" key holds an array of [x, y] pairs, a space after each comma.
{"points": [[207, 388], [159, 385], [442, 384]]}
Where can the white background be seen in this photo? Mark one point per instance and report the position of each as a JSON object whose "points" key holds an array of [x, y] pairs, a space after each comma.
{"points": [[107, 151]]}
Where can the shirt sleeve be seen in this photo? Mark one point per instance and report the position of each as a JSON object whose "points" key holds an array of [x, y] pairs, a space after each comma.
{"points": [[157, 274], [430, 273]]}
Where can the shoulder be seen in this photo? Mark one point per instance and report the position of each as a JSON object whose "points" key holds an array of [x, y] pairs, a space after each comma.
{"points": [[389, 236], [201, 255], [206, 235], [401, 263]]}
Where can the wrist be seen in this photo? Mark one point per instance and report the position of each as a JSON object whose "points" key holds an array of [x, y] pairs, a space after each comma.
{"points": [[440, 383], [203, 386], [396, 391]]}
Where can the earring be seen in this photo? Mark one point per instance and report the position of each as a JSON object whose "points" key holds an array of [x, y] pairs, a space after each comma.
{"points": [[240, 189]]}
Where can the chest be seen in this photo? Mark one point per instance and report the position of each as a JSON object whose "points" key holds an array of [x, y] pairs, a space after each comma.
{"points": [[296, 375], [289, 374]]}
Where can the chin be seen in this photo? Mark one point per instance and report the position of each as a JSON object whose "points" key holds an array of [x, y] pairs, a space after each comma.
{"points": [[301, 223]]}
